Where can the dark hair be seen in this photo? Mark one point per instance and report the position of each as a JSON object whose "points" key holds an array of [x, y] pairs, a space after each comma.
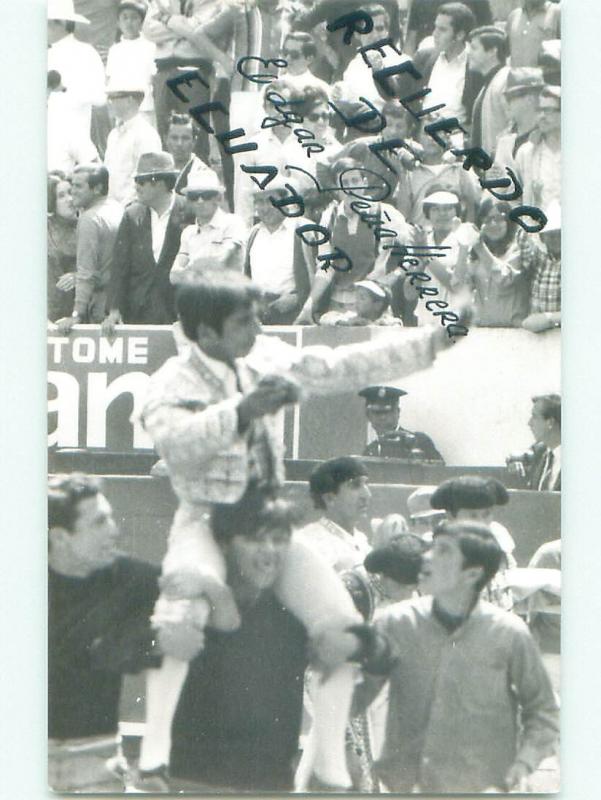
{"points": [[313, 97], [211, 298], [255, 511], [54, 178], [400, 559], [469, 492], [65, 493], [97, 175], [329, 475], [478, 546], [550, 407], [462, 17], [492, 38], [175, 118], [305, 39], [486, 206], [69, 26]]}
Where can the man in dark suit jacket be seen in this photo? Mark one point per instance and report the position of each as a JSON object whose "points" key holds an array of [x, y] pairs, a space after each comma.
{"points": [[540, 466], [544, 474], [148, 240], [394, 441]]}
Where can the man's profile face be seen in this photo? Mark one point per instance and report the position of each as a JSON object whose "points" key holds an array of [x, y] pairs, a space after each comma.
{"points": [[537, 422], [257, 560], [444, 34], [442, 569], [180, 143], [478, 57], [240, 331], [379, 31], [93, 538], [352, 500], [383, 419], [82, 195]]}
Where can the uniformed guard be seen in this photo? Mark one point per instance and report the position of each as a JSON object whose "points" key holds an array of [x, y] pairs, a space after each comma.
{"points": [[394, 441]]}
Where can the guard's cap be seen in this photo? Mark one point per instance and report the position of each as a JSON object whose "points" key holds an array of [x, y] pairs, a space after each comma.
{"points": [[381, 398], [469, 491]]}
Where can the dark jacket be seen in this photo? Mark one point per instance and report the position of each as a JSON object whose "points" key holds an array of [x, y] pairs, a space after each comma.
{"points": [[140, 286], [425, 59], [535, 472], [412, 445]]}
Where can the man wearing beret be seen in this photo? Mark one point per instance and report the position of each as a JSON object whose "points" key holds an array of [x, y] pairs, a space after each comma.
{"points": [[471, 705], [394, 441]]}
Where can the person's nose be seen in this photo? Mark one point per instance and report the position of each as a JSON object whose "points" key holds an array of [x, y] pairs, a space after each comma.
{"points": [[367, 492]]}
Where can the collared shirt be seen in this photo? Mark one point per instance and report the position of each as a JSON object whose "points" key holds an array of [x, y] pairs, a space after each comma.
{"points": [[125, 144], [272, 257], [447, 83], [526, 33], [341, 549], [82, 73], [551, 469], [539, 167], [208, 240], [132, 60], [452, 724], [545, 290], [158, 225], [96, 234]]}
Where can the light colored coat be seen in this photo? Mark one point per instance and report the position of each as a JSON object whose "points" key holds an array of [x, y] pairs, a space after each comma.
{"points": [[495, 113], [191, 410]]}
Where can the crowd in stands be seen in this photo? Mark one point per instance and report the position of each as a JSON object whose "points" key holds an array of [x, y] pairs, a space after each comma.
{"points": [[140, 193]]}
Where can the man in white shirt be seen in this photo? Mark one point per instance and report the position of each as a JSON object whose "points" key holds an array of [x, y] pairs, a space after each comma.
{"points": [[276, 258], [340, 488], [217, 238], [452, 26], [133, 56], [131, 137], [299, 51], [79, 66], [66, 147]]}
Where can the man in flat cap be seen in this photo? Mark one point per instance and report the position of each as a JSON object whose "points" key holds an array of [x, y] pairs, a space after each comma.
{"points": [[522, 91], [394, 441]]}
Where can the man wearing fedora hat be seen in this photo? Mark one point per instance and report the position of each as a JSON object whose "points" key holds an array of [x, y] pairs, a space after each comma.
{"points": [[132, 136], [522, 91], [79, 66], [394, 441], [217, 238], [147, 242]]}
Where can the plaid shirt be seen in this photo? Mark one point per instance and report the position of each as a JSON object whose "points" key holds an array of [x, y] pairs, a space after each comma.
{"points": [[545, 272]]}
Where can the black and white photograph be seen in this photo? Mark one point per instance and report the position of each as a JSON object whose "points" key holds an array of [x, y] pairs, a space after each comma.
{"points": [[304, 396]]}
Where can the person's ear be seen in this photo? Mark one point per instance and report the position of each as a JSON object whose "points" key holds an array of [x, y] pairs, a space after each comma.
{"points": [[205, 334], [328, 498], [473, 574]]}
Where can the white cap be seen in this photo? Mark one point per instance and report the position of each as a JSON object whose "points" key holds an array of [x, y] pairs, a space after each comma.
{"points": [[64, 10], [375, 288], [205, 180]]}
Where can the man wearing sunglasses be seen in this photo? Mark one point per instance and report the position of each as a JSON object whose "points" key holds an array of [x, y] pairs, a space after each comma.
{"points": [[147, 243], [299, 51], [217, 238]]}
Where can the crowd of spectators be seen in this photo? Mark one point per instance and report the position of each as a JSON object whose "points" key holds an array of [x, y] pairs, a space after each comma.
{"points": [[140, 193]]}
